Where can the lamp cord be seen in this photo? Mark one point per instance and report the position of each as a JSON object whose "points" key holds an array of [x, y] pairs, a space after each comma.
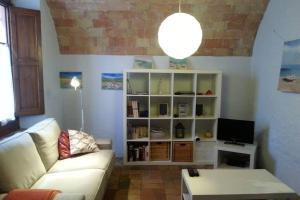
{"points": [[179, 7]]}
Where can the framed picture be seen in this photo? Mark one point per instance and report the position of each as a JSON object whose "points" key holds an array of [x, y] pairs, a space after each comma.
{"points": [[178, 63], [112, 81], [289, 80], [163, 109], [143, 62], [65, 79]]}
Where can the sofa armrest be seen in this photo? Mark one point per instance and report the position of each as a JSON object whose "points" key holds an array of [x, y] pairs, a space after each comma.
{"points": [[104, 143], [65, 196], [61, 196], [2, 196]]}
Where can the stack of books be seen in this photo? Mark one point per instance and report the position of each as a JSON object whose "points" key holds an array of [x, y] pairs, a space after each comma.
{"points": [[137, 152], [132, 109], [137, 132]]}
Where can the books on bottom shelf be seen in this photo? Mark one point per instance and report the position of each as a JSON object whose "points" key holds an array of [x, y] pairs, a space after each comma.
{"points": [[138, 153]]}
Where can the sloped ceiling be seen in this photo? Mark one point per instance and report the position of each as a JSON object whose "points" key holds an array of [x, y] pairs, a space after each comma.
{"points": [[129, 27]]}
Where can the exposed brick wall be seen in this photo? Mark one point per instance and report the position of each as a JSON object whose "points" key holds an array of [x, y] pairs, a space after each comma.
{"points": [[129, 27]]}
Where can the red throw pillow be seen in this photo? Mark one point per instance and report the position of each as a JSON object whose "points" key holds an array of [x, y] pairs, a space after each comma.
{"points": [[64, 145]]}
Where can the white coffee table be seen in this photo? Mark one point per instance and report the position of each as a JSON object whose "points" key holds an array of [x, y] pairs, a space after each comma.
{"points": [[220, 184]]}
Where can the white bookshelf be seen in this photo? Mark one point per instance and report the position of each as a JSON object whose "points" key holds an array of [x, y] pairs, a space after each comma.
{"points": [[153, 87]]}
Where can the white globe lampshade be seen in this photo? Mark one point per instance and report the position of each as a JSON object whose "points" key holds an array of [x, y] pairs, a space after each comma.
{"points": [[180, 35]]}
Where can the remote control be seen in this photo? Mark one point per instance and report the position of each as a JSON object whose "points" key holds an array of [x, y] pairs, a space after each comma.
{"points": [[193, 172], [196, 173]]}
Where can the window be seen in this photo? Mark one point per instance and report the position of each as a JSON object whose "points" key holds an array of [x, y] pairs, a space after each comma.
{"points": [[7, 104]]}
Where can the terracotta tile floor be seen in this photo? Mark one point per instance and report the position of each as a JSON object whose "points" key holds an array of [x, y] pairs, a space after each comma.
{"points": [[145, 182]]}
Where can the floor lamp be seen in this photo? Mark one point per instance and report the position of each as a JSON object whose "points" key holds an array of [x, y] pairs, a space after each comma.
{"points": [[75, 83]]}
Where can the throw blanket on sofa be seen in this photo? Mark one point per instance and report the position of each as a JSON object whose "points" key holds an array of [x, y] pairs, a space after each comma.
{"points": [[31, 194]]}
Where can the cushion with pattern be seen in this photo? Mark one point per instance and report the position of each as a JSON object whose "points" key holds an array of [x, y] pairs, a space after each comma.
{"points": [[81, 142], [64, 145]]}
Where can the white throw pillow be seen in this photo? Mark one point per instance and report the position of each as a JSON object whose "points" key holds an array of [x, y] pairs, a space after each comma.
{"points": [[81, 142]]}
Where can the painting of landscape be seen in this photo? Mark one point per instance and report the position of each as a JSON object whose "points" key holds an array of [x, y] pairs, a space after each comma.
{"points": [[65, 78], [289, 80], [112, 81]]}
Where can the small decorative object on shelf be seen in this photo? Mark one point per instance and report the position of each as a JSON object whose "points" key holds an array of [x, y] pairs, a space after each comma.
{"points": [[159, 88], [208, 134], [179, 130], [129, 87], [183, 109], [143, 113], [184, 93], [199, 109], [158, 133], [209, 92]]}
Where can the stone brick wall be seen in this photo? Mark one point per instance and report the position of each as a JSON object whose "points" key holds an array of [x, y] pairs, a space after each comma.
{"points": [[129, 27]]}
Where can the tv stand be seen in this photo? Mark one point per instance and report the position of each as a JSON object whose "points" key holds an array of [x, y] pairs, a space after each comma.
{"points": [[229, 155], [234, 143]]}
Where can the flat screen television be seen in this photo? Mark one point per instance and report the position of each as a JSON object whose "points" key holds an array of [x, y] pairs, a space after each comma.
{"points": [[233, 130]]}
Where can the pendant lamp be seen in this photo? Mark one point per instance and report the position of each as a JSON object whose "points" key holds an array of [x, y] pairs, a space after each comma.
{"points": [[180, 35]]}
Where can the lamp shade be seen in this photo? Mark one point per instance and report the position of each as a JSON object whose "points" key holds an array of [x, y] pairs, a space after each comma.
{"points": [[180, 35], [75, 83]]}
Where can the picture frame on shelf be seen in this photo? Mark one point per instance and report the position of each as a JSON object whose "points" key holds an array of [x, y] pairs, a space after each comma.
{"points": [[163, 109], [143, 62], [182, 64]]}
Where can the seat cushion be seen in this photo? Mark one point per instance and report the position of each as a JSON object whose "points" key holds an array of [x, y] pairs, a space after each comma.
{"points": [[45, 135], [96, 160], [21, 165], [87, 182]]}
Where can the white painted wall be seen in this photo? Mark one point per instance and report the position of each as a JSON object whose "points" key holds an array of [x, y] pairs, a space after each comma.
{"points": [[103, 108], [277, 114], [50, 50]]}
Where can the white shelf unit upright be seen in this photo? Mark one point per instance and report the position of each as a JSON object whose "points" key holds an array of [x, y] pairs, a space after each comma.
{"points": [[156, 102]]}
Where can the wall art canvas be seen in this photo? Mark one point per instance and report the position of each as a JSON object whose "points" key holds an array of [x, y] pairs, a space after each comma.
{"points": [[178, 63], [65, 78], [289, 80], [112, 81], [143, 62]]}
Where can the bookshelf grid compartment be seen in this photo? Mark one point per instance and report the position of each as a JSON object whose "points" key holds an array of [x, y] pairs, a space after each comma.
{"points": [[158, 104]]}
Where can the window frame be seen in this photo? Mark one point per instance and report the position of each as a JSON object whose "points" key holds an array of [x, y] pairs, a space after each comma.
{"points": [[13, 125]]}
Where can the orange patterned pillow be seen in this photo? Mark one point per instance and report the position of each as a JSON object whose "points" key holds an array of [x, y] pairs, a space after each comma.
{"points": [[81, 142]]}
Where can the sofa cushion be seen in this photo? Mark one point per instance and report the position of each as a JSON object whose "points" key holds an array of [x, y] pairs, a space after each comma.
{"points": [[86, 182], [21, 165], [64, 196], [97, 160], [45, 135], [81, 142], [64, 145]]}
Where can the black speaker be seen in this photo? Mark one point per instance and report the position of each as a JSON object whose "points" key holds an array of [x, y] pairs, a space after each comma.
{"points": [[199, 109]]}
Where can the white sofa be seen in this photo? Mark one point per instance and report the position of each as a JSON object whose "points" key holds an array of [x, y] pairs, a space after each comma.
{"points": [[29, 159]]}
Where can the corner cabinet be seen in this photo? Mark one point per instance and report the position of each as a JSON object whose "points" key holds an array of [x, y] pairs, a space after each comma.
{"points": [[170, 116]]}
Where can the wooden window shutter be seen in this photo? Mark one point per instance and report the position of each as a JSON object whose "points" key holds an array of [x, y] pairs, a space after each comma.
{"points": [[27, 61]]}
